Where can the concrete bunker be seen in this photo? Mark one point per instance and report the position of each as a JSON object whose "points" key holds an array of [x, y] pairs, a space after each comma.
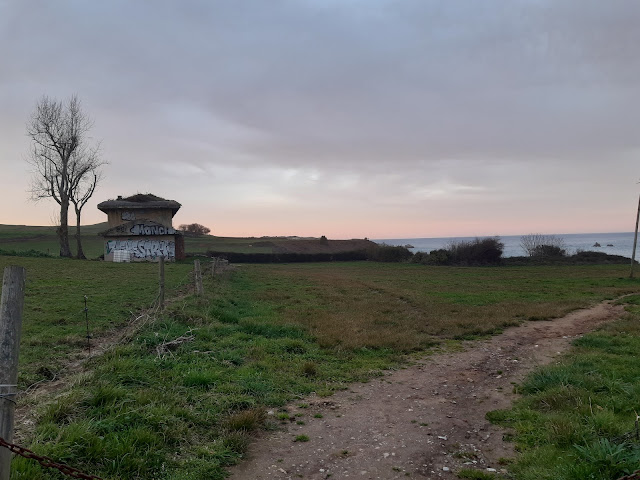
{"points": [[141, 229]]}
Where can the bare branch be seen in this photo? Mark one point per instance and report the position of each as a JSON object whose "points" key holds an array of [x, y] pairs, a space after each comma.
{"points": [[539, 245], [64, 166]]}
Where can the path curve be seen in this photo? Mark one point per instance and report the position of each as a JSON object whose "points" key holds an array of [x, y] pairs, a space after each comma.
{"points": [[424, 421]]}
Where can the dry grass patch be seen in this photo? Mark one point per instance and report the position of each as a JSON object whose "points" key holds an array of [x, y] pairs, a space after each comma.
{"points": [[410, 307], [246, 420]]}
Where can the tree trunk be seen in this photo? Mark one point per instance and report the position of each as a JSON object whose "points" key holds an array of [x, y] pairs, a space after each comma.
{"points": [[80, 253], [63, 230]]}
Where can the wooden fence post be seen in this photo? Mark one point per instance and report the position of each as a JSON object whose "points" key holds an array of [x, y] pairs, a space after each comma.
{"points": [[11, 305], [161, 299], [198, 277]]}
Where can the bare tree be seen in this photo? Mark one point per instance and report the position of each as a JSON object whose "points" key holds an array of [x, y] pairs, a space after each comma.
{"points": [[82, 189], [540, 245], [65, 166]]}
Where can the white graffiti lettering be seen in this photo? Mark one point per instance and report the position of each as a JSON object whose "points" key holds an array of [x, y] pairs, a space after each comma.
{"points": [[142, 229], [147, 249]]}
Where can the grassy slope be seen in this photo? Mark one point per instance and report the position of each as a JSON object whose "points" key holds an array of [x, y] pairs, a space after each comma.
{"points": [[22, 238], [226, 244], [261, 337]]}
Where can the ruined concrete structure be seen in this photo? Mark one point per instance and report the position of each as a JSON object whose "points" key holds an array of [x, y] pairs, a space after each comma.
{"points": [[140, 229]]}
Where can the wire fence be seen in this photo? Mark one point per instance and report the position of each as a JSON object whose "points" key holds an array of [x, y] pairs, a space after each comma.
{"points": [[137, 320], [633, 476], [46, 462], [179, 287]]}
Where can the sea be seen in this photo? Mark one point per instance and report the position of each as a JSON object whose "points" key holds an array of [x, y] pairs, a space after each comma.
{"points": [[611, 243]]}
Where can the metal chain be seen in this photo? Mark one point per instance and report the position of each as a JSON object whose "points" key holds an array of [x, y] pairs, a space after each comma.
{"points": [[46, 461], [634, 476]]}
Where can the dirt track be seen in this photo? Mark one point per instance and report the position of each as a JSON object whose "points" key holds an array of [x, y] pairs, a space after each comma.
{"points": [[425, 421]]}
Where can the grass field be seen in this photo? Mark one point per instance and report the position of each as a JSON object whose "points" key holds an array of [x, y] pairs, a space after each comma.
{"points": [[408, 307], [185, 393]]}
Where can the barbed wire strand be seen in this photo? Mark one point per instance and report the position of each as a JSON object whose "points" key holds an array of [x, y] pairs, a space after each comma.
{"points": [[45, 461]]}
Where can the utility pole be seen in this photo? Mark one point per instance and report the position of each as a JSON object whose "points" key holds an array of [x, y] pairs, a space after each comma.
{"points": [[11, 305], [635, 241]]}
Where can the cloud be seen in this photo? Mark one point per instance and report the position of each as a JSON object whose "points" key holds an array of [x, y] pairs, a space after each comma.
{"points": [[308, 103]]}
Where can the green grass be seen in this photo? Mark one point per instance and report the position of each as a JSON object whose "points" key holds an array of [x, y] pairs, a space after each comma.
{"points": [[54, 324], [475, 474], [576, 417], [257, 340]]}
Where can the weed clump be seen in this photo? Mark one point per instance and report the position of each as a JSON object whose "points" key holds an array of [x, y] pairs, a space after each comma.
{"points": [[236, 442], [246, 420], [309, 369]]}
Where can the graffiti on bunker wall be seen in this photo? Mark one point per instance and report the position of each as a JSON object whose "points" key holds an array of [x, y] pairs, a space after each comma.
{"points": [[142, 229], [144, 248]]}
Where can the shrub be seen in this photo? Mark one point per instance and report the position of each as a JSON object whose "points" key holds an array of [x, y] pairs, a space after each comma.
{"points": [[590, 254], [236, 257], [548, 251], [480, 251], [25, 253], [435, 257], [539, 245], [389, 253], [580, 258]]}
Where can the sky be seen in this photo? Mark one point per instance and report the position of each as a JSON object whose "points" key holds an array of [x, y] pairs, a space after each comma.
{"points": [[344, 118]]}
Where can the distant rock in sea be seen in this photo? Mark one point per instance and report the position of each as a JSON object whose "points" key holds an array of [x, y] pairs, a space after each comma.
{"points": [[408, 245], [597, 244]]}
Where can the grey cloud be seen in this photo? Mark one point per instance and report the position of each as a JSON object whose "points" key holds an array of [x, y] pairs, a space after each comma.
{"points": [[378, 97]]}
